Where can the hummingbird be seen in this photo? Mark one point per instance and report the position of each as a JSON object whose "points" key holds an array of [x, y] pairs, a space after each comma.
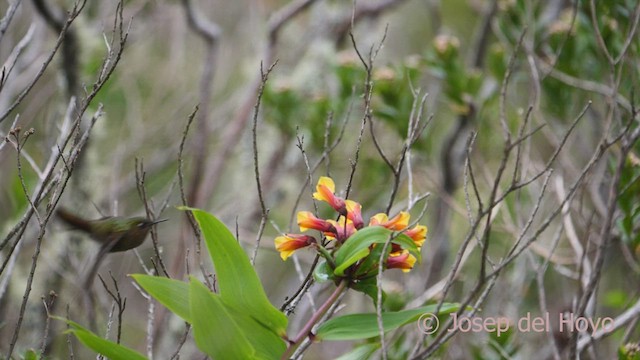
{"points": [[114, 233]]}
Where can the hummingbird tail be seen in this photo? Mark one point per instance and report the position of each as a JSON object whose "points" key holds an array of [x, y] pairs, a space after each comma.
{"points": [[73, 220]]}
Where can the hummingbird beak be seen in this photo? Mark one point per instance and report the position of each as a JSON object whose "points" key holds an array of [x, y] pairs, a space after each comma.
{"points": [[157, 221]]}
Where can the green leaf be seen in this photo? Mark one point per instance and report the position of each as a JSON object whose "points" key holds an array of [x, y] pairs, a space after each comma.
{"points": [[369, 266], [323, 272], [173, 294], [102, 346], [357, 246], [214, 329], [626, 352], [362, 352], [364, 326], [370, 288], [30, 355], [239, 284], [267, 344]]}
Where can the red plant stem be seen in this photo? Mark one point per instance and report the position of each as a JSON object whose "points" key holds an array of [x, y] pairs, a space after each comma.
{"points": [[306, 330]]}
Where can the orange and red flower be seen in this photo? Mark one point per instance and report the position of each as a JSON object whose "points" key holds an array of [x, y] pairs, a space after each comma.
{"points": [[344, 228], [418, 234], [348, 223], [289, 243], [354, 213], [403, 261], [306, 221], [325, 191], [398, 222]]}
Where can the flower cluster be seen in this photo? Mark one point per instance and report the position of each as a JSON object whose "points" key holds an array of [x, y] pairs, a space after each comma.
{"points": [[349, 222]]}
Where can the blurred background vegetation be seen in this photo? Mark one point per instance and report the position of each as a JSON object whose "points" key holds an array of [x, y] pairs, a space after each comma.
{"points": [[530, 69]]}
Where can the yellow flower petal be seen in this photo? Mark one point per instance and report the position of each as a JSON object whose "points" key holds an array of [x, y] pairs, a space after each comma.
{"points": [[289, 243], [378, 219], [399, 222], [354, 213], [281, 242], [328, 182], [411, 261], [418, 234], [403, 261], [325, 189]]}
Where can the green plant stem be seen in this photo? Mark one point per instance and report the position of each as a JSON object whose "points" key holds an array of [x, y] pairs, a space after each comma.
{"points": [[306, 330], [325, 254]]}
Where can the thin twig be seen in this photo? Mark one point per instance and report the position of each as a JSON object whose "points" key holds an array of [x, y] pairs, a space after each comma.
{"points": [[325, 154], [368, 93], [234, 130], [6, 20], [58, 183], [48, 304], [183, 340], [12, 59], [264, 75], [73, 14], [121, 303], [142, 193]]}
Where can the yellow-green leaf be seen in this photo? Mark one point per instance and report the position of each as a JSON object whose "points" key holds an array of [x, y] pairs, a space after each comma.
{"points": [[173, 294], [214, 329], [364, 326], [109, 349], [238, 282]]}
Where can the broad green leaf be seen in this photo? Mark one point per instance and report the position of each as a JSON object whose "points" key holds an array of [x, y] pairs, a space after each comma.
{"points": [[173, 294], [267, 344], [323, 272], [30, 355], [109, 349], [239, 284], [370, 288], [364, 326], [362, 352], [214, 329], [357, 246], [369, 266], [350, 259]]}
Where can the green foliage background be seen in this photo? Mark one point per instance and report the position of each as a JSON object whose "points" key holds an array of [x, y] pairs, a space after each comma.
{"points": [[556, 67]]}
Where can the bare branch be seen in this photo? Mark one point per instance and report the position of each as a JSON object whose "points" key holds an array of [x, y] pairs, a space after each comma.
{"points": [[77, 8], [6, 20]]}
